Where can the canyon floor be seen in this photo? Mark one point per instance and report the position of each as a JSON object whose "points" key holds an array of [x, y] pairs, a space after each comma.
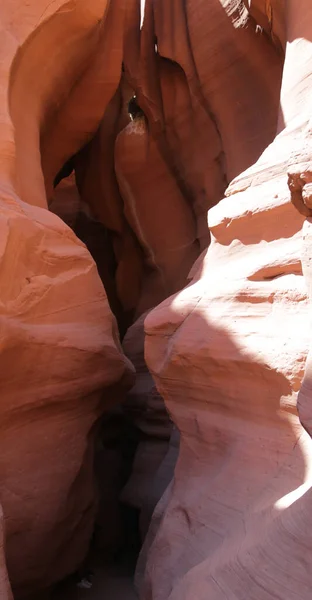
{"points": [[109, 583]]}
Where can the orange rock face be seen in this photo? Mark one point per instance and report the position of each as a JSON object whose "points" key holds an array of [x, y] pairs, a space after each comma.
{"points": [[61, 362], [58, 338], [205, 108], [228, 354], [151, 470]]}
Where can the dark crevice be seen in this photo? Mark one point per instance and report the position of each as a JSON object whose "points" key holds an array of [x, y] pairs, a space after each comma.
{"points": [[134, 110], [99, 241], [116, 540], [65, 171]]}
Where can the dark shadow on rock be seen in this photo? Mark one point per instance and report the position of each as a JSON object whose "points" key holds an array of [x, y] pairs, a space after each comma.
{"points": [[239, 452]]}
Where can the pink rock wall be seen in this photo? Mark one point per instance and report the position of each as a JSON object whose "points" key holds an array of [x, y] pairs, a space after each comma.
{"points": [[228, 354], [223, 90], [61, 362], [61, 365]]}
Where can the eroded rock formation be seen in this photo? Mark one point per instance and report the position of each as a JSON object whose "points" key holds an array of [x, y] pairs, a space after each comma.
{"points": [[228, 355], [58, 338], [130, 134], [61, 361], [152, 469]]}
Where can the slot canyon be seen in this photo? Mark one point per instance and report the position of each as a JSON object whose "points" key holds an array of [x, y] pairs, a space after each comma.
{"points": [[155, 303]]}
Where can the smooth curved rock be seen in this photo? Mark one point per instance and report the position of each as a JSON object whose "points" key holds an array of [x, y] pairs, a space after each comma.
{"points": [[230, 376], [235, 63], [153, 464], [98, 187], [165, 229], [228, 355], [55, 318], [61, 362]]}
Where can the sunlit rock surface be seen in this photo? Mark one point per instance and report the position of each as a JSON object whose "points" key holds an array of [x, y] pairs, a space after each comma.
{"points": [[228, 355]]}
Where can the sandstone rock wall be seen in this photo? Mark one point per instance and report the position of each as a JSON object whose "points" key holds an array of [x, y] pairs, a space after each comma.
{"points": [[153, 468], [228, 355], [221, 116], [61, 363]]}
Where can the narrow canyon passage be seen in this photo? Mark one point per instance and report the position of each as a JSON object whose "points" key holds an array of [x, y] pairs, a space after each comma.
{"points": [[155, 299], [132, 466]]}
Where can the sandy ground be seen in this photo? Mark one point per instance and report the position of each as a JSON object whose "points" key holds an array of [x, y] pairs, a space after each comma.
{"points": [[109, 583]]}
